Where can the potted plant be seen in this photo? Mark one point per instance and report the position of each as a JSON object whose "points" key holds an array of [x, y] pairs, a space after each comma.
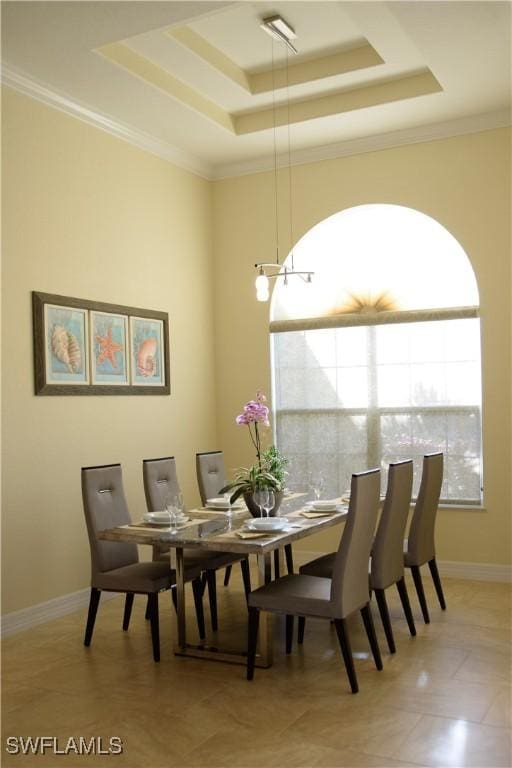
{"points": [[268, 471]]}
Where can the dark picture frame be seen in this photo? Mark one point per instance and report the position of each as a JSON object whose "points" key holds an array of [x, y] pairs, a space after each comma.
{"points": [[65, 350]]}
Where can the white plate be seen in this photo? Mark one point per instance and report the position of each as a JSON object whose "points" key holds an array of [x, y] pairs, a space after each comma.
{"points": [[272, 524], [222, 504], [157, 518], [327, 510], [327, 505]]}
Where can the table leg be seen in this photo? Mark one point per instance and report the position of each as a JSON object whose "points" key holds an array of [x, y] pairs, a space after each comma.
{"points": [[180, 594], [265, 639], [214, 653]]}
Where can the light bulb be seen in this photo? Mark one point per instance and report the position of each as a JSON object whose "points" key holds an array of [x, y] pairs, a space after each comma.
{"points": [[262, 292]]}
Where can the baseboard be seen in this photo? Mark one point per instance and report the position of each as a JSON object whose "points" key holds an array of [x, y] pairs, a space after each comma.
{"points": [[475, 571], [450, 569], [17, 621]]}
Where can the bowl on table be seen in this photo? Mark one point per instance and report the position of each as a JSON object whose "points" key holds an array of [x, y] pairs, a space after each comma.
{"points": [[324, 505], [267, 524]]}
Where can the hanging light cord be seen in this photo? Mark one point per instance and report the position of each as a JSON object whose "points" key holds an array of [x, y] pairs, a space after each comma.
{"points": [[289, 155], [275, 152]]}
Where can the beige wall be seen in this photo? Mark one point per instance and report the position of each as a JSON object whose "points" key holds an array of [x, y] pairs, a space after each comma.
{"points": [[464, 183], [88, 215]]}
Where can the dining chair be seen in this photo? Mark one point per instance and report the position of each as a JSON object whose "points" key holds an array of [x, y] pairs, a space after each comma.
{"points": [[387, 562], [211, 477], [115, 566], [333, 598], [161, 479], [419, 547]]}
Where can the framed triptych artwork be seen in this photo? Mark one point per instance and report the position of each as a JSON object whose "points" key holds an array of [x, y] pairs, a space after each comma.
{"points": [[92, 348]]}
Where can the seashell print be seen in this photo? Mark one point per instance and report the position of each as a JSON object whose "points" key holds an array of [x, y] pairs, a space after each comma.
{"points": [[66, 348], [146, 357]]}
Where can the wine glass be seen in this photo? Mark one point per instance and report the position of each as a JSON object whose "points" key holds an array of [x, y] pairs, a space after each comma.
{"points": [[316, 484], [260, 498], [269, 502], [172, 504]]}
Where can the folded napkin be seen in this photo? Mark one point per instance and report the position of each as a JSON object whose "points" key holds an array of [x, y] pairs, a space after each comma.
{"points": [[313, 514], [143, 525], [252, 534]]}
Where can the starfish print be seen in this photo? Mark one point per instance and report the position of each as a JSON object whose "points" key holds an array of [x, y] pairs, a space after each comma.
{"points": [[108, 348]]}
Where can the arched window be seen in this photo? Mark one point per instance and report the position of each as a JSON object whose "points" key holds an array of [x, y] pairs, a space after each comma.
{"points": [[379, 358]]}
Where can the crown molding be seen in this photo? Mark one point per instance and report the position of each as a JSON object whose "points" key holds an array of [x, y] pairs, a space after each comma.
{"points": [[417, 135], [472, 124], [16, 80]]}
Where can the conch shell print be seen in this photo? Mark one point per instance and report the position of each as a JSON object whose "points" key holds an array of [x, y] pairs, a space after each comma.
{"points": [[146, 357], [66, 348]]}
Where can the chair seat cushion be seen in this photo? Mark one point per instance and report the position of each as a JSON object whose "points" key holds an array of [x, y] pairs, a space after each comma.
{"points": [[139, 577], [295, 594], [321, 567]]}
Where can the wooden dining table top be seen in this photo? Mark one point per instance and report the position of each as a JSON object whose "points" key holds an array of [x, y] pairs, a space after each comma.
{"points": [[219, 532]]}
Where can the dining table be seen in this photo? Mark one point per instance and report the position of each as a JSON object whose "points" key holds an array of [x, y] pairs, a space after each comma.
{"points": [[227, 531]]}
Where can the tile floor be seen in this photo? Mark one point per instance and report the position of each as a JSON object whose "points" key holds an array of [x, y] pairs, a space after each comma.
{"points": [[442, 700]]}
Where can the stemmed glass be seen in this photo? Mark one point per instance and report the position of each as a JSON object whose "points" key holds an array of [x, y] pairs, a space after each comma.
{"points": [[269, 502], [174, 506], [316, 484], [260, 498]]}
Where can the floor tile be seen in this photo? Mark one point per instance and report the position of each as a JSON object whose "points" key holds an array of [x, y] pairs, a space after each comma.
{"points": [[451, 743]]}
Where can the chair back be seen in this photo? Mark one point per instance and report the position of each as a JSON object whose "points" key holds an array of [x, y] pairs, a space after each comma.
{"points": [[160, 481], [421, 547], [350, 588], [211, 474], [388, 547], [105, 507]]}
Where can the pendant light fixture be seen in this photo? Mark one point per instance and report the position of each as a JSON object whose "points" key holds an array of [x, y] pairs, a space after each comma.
{"points": [[281, 31]]}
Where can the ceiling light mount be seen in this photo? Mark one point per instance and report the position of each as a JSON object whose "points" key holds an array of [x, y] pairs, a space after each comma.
{"points": [[279, 29]]}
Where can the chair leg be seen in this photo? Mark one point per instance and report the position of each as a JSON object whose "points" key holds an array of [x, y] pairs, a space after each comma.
{"points": [[386, 622], [437, 582], [252, 637], [289, 557], [302, 627], [197, 589], [366, 613], [211, 577], [204, 581], [155, 627], [289, 633], [128, 603], [91, 616], [341, 631], [227, 575], [174, 599], [421, 594], [147, 614], [246, 576], [404, 597]]}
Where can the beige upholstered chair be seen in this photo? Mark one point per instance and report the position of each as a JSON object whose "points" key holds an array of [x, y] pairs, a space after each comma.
{"points": [[387, 564], [329, 598], [160, 479], [420, 547], [387, 552], [211, 477], [115, 566]]}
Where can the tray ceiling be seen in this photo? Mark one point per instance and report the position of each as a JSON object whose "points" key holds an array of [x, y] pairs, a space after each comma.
{"points": [[205, 82]]}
